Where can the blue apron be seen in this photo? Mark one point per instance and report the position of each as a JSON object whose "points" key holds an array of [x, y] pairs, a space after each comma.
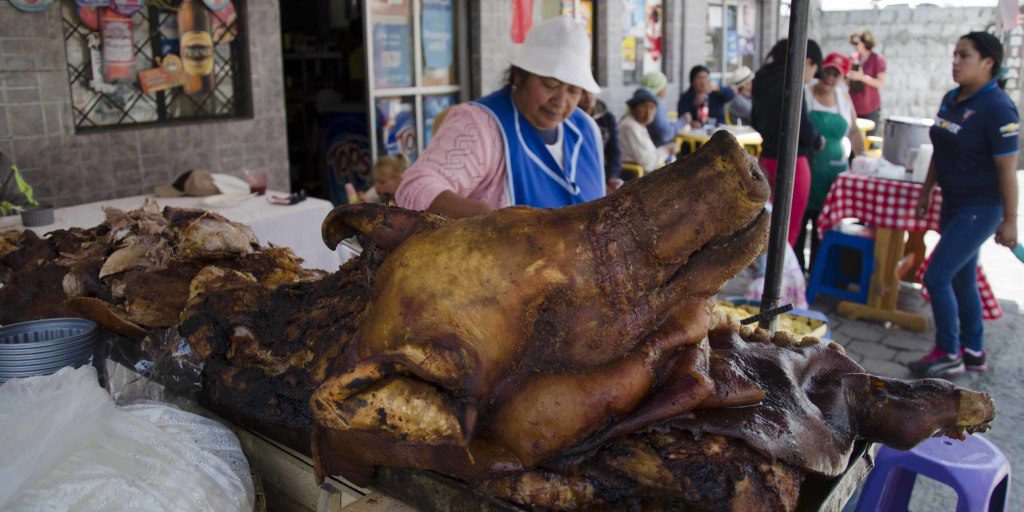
{"points": [[532, 177]]}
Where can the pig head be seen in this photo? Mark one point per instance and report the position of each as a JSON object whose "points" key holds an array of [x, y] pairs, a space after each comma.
{"points": [[498, 342]]}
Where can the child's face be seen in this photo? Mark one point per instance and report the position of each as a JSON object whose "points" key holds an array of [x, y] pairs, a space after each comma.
{"points": [[386, 184]]}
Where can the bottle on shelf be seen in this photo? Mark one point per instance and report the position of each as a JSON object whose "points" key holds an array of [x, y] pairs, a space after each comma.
{"points": [[196, 46]]}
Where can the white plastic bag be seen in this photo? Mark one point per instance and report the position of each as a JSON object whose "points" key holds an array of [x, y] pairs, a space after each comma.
{"points": [[67, 446]]}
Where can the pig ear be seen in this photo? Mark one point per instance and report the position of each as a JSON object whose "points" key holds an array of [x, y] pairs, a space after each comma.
{"points": [[386, 226]]}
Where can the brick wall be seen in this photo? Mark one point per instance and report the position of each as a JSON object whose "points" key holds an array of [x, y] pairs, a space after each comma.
{"points": [[917, 45], [65, 168]]}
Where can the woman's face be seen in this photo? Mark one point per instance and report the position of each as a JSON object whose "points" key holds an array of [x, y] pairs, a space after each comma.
{"points": [[858, 45], [544, 101], [701, 83], [644, 112], [968, 65], [830, 77], [810, 69]]}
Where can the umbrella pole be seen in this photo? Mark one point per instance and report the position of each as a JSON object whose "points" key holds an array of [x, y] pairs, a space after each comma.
{"points": [[782, 201]]}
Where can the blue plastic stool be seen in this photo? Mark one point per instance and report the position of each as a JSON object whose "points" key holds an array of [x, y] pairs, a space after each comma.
{"points": [[828, 278], [974, 468]]}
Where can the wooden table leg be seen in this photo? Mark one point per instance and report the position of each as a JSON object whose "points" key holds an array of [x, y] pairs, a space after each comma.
{"points": [[913, 256], [885, 286]]}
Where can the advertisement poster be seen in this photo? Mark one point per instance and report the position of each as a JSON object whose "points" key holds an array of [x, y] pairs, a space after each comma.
{"points": [[396, 126], [348, 153], [432, 106], [438, 34], [392, 66]]}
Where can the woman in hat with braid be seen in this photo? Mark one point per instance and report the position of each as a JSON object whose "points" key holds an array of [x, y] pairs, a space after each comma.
{"points": [[525, 144]]}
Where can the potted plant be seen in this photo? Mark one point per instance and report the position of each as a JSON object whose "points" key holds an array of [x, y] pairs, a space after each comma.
{"points": [[19, 199]]}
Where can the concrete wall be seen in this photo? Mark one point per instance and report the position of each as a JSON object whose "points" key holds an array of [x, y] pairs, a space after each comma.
{"points": [[917, 45], [36, 128]]}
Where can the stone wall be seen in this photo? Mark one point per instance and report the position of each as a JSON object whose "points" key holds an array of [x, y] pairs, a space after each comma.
{"points": [[917, 45], [37, 131]]}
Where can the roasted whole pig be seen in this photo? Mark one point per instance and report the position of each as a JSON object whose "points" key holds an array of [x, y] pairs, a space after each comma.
{"points": [[565, 359]]}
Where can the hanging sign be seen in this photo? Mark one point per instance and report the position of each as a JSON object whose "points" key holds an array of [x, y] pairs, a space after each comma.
{"points": [[522, 19], [126, 7], [437, 33], [31, 5], [168, 75]]}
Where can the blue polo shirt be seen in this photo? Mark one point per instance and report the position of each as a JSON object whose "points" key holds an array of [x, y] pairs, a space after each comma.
{"points": [[967, 135]]}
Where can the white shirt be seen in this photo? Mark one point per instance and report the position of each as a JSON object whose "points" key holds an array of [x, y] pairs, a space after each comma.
{"points": [[636, 144]]}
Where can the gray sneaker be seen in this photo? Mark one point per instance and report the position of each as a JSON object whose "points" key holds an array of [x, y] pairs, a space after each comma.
{"points": [[938, 364]]}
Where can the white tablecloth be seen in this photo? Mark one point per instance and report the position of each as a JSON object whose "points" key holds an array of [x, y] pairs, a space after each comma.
{"points": [[295, 226]]}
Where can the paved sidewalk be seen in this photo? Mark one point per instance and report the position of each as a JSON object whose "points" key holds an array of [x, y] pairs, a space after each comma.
{"points": [[884, 351]]}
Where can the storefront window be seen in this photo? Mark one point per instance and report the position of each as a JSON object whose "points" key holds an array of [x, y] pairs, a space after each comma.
{"points": [[643, 23], [732, 37], [416, 65]]}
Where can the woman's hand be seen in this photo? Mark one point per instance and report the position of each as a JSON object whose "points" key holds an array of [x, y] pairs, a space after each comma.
{"points": [[924, 201], [1006, 233], [857, 75]]}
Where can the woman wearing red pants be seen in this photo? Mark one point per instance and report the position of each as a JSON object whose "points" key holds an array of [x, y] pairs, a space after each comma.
{"points": [[766, 118]]}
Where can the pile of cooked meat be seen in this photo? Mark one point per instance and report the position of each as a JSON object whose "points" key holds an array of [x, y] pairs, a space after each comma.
{"points": [[564, 359]]}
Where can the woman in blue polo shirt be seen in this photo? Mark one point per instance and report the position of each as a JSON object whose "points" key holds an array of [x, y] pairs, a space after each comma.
{"points": [[975, 161]]}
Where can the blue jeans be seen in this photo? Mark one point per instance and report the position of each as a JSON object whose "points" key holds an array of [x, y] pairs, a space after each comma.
{"points": [[951, 278]]}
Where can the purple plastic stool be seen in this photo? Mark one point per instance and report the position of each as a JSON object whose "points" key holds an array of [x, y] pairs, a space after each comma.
{"points": [[974, 468]]}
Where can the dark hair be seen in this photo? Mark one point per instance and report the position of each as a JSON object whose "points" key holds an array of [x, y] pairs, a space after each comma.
{"points": [[696, 70], [510, 75], [777, 55], [866, 37], [989, 47]]}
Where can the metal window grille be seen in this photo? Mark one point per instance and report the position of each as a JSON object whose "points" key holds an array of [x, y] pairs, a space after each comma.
{"points": [[97, 106]]}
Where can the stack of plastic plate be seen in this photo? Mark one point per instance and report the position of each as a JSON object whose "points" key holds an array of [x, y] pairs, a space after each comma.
{"points": [[42, 347]]}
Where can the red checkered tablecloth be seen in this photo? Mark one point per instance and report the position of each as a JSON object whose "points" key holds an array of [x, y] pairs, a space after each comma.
{"points": [[877, 202], [890, 204]]}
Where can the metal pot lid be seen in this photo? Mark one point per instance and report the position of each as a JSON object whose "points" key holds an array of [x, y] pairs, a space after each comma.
{"points": [[918, 121]]}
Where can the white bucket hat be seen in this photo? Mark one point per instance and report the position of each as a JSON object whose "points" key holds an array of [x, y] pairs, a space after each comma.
{"points": [[558, 48]]}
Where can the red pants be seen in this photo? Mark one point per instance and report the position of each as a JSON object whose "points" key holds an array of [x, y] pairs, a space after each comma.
{"points": [[801, 189]]}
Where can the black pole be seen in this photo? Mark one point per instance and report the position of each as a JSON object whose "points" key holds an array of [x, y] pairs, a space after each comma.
{"points": [[792, 100]]}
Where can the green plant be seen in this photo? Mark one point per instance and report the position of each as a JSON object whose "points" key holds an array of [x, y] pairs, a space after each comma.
{"points": [[8, 207]]}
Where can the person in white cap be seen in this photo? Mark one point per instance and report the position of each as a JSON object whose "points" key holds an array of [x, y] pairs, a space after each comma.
{"points": [[742, 80], [525, 144]]}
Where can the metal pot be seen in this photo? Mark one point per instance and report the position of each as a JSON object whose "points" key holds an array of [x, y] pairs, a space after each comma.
{"points": [[903, 134]]}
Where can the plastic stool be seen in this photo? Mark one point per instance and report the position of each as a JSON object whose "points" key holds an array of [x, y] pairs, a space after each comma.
{"points": [[974, 468], [827, 277]]}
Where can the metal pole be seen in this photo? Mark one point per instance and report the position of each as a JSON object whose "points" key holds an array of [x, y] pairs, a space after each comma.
{"points": [[792, 101]]}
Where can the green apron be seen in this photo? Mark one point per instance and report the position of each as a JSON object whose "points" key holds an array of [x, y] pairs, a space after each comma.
{"points": [[829, 162]]}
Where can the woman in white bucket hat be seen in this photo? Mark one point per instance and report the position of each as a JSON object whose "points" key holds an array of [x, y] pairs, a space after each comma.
{"points": [[525, 144]]}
